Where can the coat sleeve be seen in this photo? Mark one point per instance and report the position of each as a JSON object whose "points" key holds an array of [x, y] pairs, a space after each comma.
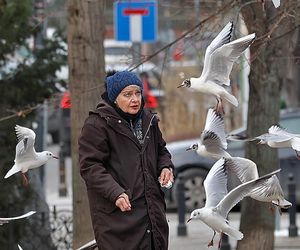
{"points": [[93, 153], [164, 156]]}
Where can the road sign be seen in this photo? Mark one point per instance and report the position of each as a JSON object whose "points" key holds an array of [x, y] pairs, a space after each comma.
{"points": [[135, 21]]}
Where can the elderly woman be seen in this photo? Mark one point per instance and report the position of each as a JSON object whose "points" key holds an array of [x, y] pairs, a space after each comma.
{"points": [[124, 162]]}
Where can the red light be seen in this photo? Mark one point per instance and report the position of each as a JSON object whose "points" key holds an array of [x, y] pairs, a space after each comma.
{"points": [[151, 101], [65, 101]]}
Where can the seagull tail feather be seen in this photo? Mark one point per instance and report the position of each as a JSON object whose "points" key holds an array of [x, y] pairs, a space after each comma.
{"points": [[12, 171], [234, 233], [231, 99]]}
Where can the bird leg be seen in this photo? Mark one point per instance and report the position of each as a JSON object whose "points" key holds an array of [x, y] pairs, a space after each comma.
{"points": [[219, 106], [220, 241], [24, 180], [211, 243], [279, 208], [272, 209], [298, 156]]}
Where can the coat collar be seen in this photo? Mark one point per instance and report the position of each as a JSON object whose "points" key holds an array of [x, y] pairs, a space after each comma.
{"points": [[105, 110], [116, 122]]}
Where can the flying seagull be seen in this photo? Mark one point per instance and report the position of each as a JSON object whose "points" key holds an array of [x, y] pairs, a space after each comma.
{"points": [[219, 202], [270, 191], [26, 158], [219, 58], [213, 141], [8, 219], [277, 137]]}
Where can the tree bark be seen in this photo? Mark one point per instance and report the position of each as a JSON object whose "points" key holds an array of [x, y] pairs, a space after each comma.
{"points": [[257, 221], [86, 80]]}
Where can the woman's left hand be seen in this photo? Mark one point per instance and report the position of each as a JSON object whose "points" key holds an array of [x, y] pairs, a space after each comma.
{"points": [[166, 175]]}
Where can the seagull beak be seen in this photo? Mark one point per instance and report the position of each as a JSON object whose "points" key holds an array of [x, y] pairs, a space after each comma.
{"points": [[55, 157], [181, 85], [188, 220], [188, 149]]}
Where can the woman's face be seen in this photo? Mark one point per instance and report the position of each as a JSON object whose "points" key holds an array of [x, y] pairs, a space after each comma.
{"points": [[129, 100]]}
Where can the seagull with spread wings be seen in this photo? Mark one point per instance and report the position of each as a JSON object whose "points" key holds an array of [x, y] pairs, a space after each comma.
{"points": [[219, 202], [277, 137], [220, 56], [26, 157]]}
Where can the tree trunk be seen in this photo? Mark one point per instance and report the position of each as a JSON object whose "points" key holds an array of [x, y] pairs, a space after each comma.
{"points": [[291, 87], [86, 79], [257, 221]]}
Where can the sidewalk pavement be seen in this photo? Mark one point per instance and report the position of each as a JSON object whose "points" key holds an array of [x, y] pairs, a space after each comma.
{"points": [[199, 234]]}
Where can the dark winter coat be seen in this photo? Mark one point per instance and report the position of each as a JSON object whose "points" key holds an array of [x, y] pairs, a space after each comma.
{"points": [[112, 161]]}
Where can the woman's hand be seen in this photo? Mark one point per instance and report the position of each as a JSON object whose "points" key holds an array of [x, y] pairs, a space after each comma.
{"points": [[166, 175], [123, 202]]}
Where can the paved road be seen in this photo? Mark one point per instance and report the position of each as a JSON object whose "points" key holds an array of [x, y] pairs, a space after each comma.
{"points": [[198, 234]]}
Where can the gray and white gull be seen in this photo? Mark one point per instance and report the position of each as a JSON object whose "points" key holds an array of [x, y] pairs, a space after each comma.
{"points": [[277, 137], [26, 157], [220, 56], [212, 141], [219, 201]]}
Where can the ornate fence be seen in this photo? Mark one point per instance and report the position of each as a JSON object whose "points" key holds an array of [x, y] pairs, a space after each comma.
{"points": [[61, 222]]}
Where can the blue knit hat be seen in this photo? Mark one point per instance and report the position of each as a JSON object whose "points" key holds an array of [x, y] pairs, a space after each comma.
{"points": [[120, 80]]}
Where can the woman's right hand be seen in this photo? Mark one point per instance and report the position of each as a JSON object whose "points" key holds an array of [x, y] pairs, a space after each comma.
{"points": [[123, 202]]}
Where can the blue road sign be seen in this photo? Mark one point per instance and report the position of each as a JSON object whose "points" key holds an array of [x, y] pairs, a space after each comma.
{"points": [[135, 21]]}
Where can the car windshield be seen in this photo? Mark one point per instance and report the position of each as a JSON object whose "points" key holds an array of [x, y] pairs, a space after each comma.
{"points": [[291, 124]]}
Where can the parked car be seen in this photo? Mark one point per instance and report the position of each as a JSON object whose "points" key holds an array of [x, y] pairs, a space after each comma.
{"points": [[194, 167]]}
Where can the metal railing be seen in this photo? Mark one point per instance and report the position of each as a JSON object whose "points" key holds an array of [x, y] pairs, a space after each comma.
{"points": [[61, 223]]}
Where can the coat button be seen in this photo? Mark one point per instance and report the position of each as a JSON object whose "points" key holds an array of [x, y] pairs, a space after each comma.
{"points": [[119, 121], [148, 231]]}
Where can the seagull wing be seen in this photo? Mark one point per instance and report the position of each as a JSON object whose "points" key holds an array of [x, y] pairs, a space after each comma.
{"points": [[276, 130], [215, 123], [5, 220], [222, 38], [273, 137], [270, 188], [26, 140], [238, 193], [212, 143], [221, 60], [245, 169], [276, 3], [215, 184]]}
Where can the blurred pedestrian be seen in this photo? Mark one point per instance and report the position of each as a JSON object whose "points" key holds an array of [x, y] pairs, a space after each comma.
{"points": [[124, 162]]}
